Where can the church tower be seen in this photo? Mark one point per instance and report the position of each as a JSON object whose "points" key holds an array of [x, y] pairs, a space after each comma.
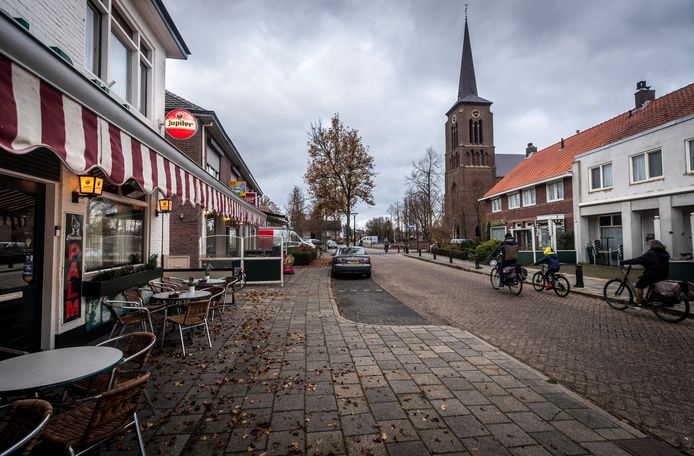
{"points": [[470, 159]]}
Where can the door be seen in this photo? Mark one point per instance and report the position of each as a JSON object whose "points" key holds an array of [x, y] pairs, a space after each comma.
{"points": [[22, 205]]}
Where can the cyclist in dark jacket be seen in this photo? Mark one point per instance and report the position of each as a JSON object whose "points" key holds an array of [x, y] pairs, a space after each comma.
{"points": [[656, 264], [509, 251], [552, 261]]}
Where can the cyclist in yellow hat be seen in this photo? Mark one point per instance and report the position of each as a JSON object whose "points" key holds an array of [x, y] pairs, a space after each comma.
{"points": [[552, 260]]}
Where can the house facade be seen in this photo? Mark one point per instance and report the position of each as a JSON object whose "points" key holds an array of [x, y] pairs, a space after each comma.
{"points": [[537, 201], [82, 91], [641, 187]]}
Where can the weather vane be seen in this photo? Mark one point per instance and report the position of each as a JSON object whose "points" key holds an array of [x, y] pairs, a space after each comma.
{"points": [[466, 5]]}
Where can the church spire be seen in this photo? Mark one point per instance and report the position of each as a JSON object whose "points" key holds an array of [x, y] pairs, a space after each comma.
{"points": [[467, 85]]}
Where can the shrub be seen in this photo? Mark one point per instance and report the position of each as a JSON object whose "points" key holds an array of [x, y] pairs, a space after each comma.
{"points": [[303, 255], [565, 241], [485, 249]]}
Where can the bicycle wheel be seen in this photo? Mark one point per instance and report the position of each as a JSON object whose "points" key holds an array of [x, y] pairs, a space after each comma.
{"points": [[515, 287], [561, 285], [538, 281], [494, 278], [674, 313], [617, 295]]}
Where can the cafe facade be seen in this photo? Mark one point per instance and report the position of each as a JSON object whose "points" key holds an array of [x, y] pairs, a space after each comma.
{"points": [[84, 162]]}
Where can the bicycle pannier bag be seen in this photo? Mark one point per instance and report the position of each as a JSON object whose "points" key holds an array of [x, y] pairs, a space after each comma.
{"points": [[523, 274], [510, 271], [668, 289]]}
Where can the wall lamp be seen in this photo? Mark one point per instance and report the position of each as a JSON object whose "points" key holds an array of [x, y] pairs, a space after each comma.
{"points": [[90, 187], [163, 207]]}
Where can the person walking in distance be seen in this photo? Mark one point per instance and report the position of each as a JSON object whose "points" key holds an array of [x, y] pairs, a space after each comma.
{"points": [[656, 265], [386, 245], [509, 252]]}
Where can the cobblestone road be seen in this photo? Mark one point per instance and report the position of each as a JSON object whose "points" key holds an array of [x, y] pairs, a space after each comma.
{"points": [[632, 364]]}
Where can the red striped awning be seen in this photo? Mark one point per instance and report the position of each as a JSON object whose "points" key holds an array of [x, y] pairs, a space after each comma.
{"points": [[34, 114]]}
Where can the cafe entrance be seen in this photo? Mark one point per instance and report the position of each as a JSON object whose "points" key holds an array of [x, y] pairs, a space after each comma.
{"points": [[22, 205]]}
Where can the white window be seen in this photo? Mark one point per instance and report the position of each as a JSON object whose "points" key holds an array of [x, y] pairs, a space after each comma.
{"points": [[645, 166], [213, 163], [529, 197], [601, 177], [555, 191], [92, 44], [514, 200], [125, 65], [690, 156], [496, 205]]}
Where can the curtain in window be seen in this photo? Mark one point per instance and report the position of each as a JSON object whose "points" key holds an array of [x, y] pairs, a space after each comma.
{"points": [[638, 168], [607, 175], [655, 164]]}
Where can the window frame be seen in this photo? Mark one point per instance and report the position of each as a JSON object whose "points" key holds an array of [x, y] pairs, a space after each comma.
{"points": [[601, 168], [529, 191], [555, 184], [648, 178], [689, 155], [496, 205], [516, 197], [97, 34]]}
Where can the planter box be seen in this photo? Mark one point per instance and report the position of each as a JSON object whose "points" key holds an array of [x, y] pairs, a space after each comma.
{"points": [[98, 288]]}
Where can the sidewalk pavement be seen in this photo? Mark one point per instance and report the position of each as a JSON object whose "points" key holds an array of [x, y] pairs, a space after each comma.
{"points": [[288, 375], [592, 285]]}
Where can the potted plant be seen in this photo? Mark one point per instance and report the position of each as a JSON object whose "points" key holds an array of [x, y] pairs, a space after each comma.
{"points": [[191, 285], [207, 271]]}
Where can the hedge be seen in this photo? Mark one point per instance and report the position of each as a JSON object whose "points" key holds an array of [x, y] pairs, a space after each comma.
{"points": [[302, 257]]}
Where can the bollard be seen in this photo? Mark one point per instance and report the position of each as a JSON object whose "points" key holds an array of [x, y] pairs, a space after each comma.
{"points": [[419, 251], [450, 257], [434, 252], [398, 249], [579, 276], [477, 263]]}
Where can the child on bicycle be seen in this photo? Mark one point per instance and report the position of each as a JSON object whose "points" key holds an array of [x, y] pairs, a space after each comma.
{"points": [[552, 261]]}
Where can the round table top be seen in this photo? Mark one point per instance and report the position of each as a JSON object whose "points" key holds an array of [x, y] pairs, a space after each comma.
{"points": [[197, 294], [54, 368], [211, 281]]}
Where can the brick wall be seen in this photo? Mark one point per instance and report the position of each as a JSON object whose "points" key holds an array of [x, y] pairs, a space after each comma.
{"points": [[541, 207]]}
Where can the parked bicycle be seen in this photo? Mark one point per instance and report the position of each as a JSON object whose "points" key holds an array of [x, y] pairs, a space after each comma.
{"points": [[513, 276], [557, 282], [669, 304]]}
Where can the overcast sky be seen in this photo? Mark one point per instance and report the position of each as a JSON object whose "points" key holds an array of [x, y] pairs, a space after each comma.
{"points": [[270, 68]]}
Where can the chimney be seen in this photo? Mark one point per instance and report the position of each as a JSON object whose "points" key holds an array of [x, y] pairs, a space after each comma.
{"points": [[562, 143], [643, 95], [530, 150]]}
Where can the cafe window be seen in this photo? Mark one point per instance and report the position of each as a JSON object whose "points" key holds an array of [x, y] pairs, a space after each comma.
{"points": [[114, 235]]}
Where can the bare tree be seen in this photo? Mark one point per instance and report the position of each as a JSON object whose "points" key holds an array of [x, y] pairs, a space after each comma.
{"points": [[381, 227], [396, 214], [265, 201], [296, 210], [425, 195], [340, 171]]}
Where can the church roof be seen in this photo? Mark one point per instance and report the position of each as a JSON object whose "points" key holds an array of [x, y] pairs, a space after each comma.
{"points": [[506, 162], [467, 85], [555, 160]]}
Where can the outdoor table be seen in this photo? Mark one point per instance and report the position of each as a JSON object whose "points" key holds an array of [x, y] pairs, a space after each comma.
{"points": [[179, 298], [55, 368], [211, 282]]}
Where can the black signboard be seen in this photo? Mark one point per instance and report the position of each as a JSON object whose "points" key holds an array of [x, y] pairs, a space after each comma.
{"points": [[72, 293]]}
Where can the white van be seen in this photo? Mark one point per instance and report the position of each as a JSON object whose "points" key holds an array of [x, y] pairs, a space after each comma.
{"points": [[369, 240]]}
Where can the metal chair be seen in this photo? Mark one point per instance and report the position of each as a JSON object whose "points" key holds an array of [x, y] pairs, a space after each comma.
{"points": [[230, 287], [132, 312], [135, 295], [176, 282], [23, 421], [194, 316], [159, 286], [218, 294], [97, 419]]}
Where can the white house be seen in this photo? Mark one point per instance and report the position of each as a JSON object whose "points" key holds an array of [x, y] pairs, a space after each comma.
{"points": [[641, 187]]}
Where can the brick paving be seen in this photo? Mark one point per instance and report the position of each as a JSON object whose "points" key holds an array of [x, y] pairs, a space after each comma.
{"points": [[634, 365], [288, 375]]}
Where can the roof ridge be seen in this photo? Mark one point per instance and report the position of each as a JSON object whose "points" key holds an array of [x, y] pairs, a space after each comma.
{"points": [[179, 100]]}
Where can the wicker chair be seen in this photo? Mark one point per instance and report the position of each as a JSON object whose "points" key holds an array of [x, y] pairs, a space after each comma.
{"points": [[217, 300], [97, 419], [133, 313], [194, 316], [176, 282], [230, 287], [135, 295], [159, 286], [23, 421]]}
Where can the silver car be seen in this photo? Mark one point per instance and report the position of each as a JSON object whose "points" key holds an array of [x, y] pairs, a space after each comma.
{"points": [[351, 260]]}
